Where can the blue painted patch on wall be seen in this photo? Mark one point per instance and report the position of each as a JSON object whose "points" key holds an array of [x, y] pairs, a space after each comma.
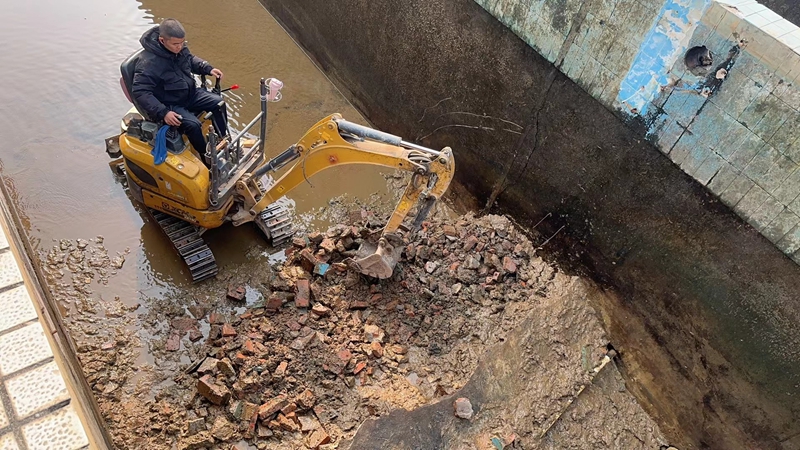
{"points": [[662, 46]]}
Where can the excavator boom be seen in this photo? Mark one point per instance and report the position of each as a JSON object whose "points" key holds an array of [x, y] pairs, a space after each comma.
{"points": [[333, 142]]}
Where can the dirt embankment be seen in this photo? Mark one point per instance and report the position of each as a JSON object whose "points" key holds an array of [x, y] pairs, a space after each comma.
{"points": [[302, 355]]}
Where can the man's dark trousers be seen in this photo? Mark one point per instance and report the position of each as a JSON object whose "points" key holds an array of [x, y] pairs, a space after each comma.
{"points": [[190, 124]]}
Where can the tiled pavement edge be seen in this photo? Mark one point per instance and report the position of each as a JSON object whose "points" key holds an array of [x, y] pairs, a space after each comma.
{"points": [[37, 412], [44, 402]]}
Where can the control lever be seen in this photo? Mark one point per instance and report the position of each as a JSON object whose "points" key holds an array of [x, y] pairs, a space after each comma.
{"points": [[209, 114]]}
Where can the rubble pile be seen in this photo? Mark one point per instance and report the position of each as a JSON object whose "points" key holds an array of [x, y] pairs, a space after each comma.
{"points": [[328, 348], [74, 265], [299, 355]]}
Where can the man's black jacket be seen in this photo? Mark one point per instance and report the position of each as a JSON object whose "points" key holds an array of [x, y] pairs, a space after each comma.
{"points": [[162, 78]]}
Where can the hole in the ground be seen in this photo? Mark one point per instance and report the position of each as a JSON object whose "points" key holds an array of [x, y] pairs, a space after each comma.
{"points": [[698, 59]]}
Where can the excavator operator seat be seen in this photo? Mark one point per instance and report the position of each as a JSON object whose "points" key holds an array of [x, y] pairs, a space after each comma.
{"points": [[128, 69]]}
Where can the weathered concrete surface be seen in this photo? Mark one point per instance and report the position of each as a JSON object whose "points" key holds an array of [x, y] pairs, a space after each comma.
{"points": [[731, 125], [535, 385], [705, 327], [735, 129]]}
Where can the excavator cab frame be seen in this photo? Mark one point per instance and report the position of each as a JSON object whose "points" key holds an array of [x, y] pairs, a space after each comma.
{"points": [[229, 160]]}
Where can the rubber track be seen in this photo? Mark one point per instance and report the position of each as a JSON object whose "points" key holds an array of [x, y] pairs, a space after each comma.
{"points": [[186, 239]]}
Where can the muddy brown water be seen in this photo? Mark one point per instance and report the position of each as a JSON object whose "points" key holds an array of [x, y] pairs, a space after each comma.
{"points": [[60, 97]]}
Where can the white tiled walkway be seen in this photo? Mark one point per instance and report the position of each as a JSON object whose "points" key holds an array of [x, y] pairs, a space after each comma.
{"points": [[36, 412]]}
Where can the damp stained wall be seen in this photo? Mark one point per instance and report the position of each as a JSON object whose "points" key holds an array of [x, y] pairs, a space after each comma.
{"points": [[734, 127]]}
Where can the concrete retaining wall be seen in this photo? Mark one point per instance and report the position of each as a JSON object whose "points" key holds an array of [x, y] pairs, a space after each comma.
{"points": [[704, 308], [735, 128]]}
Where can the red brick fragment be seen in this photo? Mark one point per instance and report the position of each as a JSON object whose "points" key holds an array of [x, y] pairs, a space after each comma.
{"points": [[281, 370], [228, 330], [183, 324], [306, 400], [236, 292], [216, 318], [307, 260], [249, 347], [289, 409], [470, 243], [274, 303], [318, 438], [215, 393], [359, 305], [286, 423], [377, 349], [509, 265], [268, 409], [359, 367], [321, 310], [344, 355], [195, 335], [240, 359], [303, 297], [328, 245], [173, 342]]}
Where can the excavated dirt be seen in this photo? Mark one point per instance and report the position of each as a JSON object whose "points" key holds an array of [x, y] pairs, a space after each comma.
{"points": [[301, 354]]}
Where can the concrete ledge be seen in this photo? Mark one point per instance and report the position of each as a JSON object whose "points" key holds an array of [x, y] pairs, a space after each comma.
{"points": [[46, 402], [735, 129]]}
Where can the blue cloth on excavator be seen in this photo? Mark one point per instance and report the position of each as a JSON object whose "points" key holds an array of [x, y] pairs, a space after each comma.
{"points": [[159, 151]]}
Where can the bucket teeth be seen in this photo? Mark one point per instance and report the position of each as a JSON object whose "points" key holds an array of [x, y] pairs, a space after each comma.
{"points": [[275, 221]]}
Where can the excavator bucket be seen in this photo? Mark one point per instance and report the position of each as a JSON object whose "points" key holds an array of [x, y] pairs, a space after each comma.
{"points": [[378, 259]]}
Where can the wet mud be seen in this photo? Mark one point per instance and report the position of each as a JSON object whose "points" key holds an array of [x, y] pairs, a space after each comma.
{"points": [[273, 355]]}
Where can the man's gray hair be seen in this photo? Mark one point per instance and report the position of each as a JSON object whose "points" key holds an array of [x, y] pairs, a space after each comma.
{"points": [[171, 28]]}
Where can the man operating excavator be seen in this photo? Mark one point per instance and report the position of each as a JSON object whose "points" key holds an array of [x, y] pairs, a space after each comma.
{"points": [[163, 85], [185, 200]]}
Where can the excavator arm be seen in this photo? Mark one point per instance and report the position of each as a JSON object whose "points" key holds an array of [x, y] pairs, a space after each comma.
{"points": [[333, 142]]}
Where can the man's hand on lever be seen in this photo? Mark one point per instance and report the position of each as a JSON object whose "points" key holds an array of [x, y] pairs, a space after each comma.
{"points": [[173, 119], [217, 73]]}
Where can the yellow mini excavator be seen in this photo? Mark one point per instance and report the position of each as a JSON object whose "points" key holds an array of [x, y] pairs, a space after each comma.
{"points": [[186, 198]]}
